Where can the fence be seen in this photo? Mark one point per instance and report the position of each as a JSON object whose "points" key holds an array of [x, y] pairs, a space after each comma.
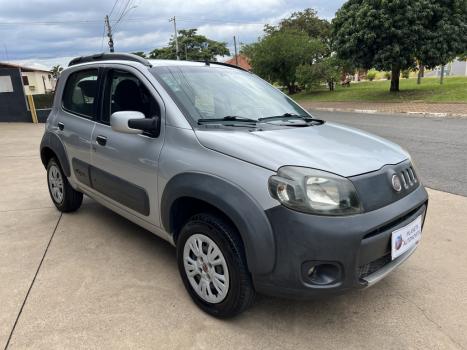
{"points": [[42, 105]]}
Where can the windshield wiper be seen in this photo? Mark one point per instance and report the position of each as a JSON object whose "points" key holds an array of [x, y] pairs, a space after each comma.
{"points": [[228, 118], [288, 116]]}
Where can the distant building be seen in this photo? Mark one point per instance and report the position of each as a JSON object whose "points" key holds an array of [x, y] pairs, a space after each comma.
{"points": [[242, 60], [35, 81], [454, 68]]}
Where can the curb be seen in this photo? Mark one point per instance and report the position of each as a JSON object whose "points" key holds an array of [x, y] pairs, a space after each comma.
{"points": [[375, 111]]}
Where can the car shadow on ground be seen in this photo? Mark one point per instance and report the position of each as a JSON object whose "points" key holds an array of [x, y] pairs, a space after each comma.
{"points": [[154, 251]]}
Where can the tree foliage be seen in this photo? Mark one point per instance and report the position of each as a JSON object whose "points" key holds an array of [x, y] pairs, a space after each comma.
{"points": [[391, 35], [192, 46], [300, 40], [276, 56], [306, 21], [56, 70], [446, 37], [328, 70]]}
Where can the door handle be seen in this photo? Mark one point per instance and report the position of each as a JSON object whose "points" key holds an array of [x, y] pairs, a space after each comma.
{"points": [[101, 140], [61, 126]]}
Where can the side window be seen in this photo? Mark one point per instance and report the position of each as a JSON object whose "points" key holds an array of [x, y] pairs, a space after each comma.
{"points": [[80, 94], [125, 92]]}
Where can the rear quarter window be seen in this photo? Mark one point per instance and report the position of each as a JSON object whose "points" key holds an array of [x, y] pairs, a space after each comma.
{"points": [[80, 93]]}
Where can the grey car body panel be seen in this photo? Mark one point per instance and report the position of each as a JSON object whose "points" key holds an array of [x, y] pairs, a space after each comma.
{"points": [[182, 153], [132, 158], [329, 147], [77, 130], [53, 142], [230, 168], [238, 205], [348, 242], [119, 190]]}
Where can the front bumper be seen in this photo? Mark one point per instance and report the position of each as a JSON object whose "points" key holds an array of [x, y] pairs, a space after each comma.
{"points": [[356, 249]]}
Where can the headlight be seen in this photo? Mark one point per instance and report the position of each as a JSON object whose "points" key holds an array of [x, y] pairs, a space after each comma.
{"points": [[314, 191]]}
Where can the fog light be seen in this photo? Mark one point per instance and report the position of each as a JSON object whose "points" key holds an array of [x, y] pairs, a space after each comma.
{"points": [[321, 273]]}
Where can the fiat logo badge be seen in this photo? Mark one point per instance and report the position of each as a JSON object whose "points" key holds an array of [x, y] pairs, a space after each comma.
{"points": [[396, 183]]}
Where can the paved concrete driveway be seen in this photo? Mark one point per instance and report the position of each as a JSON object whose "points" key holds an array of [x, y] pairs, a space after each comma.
{"points": [[94, 280]]}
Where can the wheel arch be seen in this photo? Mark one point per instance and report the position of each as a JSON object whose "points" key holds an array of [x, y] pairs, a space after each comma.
{"points": [[206, 191], [51, 146]]}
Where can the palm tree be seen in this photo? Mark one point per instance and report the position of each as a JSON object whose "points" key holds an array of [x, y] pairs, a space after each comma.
{"points": [[56, 70]]}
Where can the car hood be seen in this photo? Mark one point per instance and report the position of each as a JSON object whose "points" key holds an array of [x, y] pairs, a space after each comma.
{"points": [[330, 147]]}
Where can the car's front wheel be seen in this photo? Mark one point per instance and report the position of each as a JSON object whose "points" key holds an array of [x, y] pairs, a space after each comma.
{"points": [[65, 197], [213, 267]]}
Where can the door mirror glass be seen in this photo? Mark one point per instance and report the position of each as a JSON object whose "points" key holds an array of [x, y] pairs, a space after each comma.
{"points": [[120, 121]]}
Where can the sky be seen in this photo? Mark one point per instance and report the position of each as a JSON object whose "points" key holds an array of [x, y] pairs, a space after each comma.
{"points": [[42, 33]]}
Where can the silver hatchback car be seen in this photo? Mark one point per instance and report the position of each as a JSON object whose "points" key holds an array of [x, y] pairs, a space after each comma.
{"points": [[255, 193]]}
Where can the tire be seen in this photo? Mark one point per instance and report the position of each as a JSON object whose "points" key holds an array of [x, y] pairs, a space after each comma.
{"points": [[237, 293], [65, 197]]}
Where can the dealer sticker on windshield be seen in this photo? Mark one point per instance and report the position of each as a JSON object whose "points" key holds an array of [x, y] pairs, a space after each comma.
{"points": [[406, 238]]}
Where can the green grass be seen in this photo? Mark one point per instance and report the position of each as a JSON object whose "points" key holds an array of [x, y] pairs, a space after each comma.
{"points": [[454, 89]]}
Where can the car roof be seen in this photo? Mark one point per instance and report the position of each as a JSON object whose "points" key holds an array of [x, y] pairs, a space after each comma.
{"points": [[133, 60]]}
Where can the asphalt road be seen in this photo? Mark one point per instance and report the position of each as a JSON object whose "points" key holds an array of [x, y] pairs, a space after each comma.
{"points": [[438, 145]]}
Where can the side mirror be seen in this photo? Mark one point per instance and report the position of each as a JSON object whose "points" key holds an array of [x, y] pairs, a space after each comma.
{"points": [[132, 122], [119, 121]]}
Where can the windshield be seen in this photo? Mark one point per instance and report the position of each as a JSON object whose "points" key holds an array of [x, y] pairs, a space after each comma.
{"points": [[208, 92]]}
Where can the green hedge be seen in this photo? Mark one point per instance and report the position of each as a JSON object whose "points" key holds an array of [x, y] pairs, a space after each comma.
{"points": [[43, 101]]}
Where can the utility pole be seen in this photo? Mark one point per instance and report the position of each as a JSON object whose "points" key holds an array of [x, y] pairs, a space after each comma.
{"points": [[176, 36], [235, 47], [109, 33]]}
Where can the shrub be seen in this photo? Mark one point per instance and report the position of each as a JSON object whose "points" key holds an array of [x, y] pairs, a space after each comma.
{"points": [[387, 75], [371, 75], [406, 74]]}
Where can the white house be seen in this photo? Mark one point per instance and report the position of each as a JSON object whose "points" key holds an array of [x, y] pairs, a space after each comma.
{"points": [[35, 81]]}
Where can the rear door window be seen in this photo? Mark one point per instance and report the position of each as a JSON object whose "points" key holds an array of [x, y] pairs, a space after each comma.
{"points": [[80, 94]]}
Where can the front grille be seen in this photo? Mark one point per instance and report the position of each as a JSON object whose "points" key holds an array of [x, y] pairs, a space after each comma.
{"points": [[376, 189], [409, 178], [372, 267], [393, 223]]}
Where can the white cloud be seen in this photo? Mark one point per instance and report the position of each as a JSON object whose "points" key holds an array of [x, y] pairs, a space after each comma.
{"points": [[78, 26]]}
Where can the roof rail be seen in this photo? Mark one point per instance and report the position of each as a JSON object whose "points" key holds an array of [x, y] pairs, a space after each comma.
{"points": [[223, 64], [105, 56]]}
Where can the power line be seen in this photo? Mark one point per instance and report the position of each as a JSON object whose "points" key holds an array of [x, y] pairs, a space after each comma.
{"points": [[133, 19], [103, 36], [113, 7]]}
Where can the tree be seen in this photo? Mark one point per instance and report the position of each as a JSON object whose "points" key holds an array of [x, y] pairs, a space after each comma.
{"points": [[392, 35], [306, 21], [56, 70], [446, 37], [328, 70], [192, 46], [276, 56], [379, 34]]}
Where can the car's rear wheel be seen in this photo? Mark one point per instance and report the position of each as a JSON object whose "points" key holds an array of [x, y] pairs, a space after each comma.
{"points": [[213, 267], [65, 197]]}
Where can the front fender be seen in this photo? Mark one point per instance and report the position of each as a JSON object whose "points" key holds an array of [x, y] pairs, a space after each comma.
{"points": [[244, 211]]}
